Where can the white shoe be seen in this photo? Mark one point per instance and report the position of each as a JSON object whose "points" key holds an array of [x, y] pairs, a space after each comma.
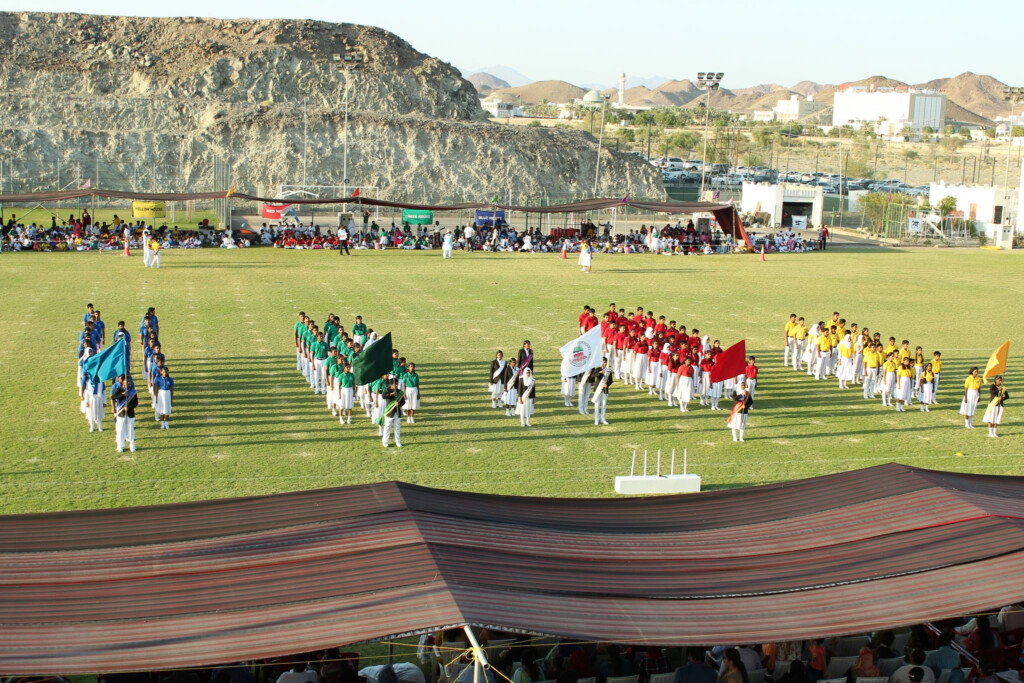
{"points": [[120, 450], [604, 422], [132, 449], [90, 429]]}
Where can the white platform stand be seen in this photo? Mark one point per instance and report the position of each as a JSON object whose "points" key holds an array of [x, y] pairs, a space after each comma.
{"points": [[657, 483], [675, 483]]}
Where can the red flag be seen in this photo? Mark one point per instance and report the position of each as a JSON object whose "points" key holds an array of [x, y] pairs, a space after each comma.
{"points": [[731, 362], [87, 184], [355, 193]]}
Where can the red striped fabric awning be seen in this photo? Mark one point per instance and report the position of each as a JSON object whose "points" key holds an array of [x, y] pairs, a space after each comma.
{"points": [[194, 584]]}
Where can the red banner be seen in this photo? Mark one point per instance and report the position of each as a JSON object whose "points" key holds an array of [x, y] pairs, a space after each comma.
{"points": [[275, 211], [730, 363]]}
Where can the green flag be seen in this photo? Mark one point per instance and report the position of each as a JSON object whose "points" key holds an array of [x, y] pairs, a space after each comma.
{"points": [[374, 362], [496, 199]]}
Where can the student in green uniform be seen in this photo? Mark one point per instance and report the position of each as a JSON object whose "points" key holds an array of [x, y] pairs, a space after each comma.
{"points": [[297, 331], [359, 330], [346, 392], [329, 377], [320, 353], [412, 392]]}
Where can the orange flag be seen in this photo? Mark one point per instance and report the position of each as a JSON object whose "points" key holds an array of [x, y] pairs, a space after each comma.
{"points": [[997, 363]]}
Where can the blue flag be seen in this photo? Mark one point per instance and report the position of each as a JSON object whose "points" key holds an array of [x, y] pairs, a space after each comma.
{"points": [[108, 364]]}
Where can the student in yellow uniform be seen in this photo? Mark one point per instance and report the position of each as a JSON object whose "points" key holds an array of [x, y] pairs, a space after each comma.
{"points": [[918, 369], [904, 382], [937, 369], [888, 379], [833, 356], [823, 355], [972, 392], [799, 340], [790, 324], [904, 351], [926, 387], [871, 362], [890, 347]]}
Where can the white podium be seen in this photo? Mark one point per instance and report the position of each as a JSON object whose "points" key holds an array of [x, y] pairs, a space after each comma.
{"points": [[657, 483], [666, 483]]}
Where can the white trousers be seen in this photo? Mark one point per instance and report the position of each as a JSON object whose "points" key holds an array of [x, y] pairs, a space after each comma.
{"points": [[446, 253], [790, 348], [600, 408], [154, 259], [318, 374], [124, 430], [584, 397], [392, 424], [298, 360], [751, 384], [870, 377], [798, 346]]}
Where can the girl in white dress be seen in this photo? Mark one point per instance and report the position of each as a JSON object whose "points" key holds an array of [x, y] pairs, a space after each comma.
{"points": [[685, 385], [845, 372], [524, 408], [511, 380], [994, 413], [586, 255], [972, 392]]}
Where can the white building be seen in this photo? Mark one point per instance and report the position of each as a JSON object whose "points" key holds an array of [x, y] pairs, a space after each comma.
{"points": [[902, 108], [796, 108], [765, 115], [982, 204], [784, 201], [500, 110]]}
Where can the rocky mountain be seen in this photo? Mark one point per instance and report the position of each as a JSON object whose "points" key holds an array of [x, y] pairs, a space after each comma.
{"points": [[483, 82], [977, 93], [505, 73], [534, 93], [807, 88], [152, 93]]}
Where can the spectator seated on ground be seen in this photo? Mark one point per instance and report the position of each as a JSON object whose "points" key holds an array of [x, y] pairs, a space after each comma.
{"points": [[916, 659]]}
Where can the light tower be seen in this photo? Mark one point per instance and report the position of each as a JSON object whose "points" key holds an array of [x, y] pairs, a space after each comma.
{"points": [[622, 89]]}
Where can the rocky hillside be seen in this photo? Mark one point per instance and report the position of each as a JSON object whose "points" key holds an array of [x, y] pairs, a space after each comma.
{"points": [[485, 81], [153, 91]]}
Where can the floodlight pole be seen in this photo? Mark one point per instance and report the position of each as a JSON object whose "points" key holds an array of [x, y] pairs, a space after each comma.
{"points": [[600, 140], [344, 163], [1013, 96], [706, 81]]}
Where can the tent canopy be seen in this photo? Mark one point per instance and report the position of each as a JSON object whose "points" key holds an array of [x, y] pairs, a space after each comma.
{"points": [[225, 580], [726, 215]]}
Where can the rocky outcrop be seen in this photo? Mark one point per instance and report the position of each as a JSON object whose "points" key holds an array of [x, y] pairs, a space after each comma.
{"points": [[162, 94]]}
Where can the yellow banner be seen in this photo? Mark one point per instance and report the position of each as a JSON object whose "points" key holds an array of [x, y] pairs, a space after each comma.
{"points": [[147, 209]]}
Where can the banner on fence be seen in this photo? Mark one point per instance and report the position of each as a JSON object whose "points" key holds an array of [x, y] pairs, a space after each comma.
{"points": [[489, 217], [147, 209], [417, 217], [275, 211]]}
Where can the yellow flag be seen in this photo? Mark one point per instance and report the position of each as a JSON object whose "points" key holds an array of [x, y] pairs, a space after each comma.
{"points": [[997, 363]]}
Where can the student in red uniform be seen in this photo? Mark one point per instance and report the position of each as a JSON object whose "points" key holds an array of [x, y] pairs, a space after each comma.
{"points": [[685, 384], [583, 317], [751, 373], [621, 340], [641, 351], [669, 376], [591, 321], [704, 391], [660, 326]]}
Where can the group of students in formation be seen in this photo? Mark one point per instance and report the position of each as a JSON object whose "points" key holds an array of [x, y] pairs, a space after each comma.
{"points": [[638, 349], [511, 384], [898, 373], [123, 398], [325, 358]]}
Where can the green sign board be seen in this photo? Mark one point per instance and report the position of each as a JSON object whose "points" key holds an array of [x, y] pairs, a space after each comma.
{"points": [[417, 217]]}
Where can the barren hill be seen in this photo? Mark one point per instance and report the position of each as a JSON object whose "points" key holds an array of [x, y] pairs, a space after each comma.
{"points": [[484, 81], [807, 88], [978, 93], [534, 93], [182, 93]]}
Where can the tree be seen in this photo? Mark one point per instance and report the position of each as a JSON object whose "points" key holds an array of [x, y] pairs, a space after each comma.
{"points": [[965, 132], [927, 131], [952, 144], [947, 205], [990, 132], [910, 154], [1016, 131], [874, 205], [682, 140], [948, 130], [763, 137], [626, 134]]}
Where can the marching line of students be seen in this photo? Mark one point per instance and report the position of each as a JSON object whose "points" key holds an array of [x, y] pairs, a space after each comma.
{"points": [[897, 373], [641, 351], [123, 398], [325, 358]]}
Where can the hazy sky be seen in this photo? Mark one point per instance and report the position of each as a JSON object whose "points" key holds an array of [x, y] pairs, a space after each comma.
{"points": [[751, 41]]}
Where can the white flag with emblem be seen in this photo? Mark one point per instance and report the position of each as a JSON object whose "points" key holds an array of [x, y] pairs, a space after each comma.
{"points": [[582, 353]]}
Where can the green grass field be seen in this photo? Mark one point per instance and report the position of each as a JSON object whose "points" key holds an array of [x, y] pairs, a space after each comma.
{"points": [[246, 423]]}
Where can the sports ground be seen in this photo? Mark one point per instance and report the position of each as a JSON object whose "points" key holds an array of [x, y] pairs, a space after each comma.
{"points": [[245, 422]]}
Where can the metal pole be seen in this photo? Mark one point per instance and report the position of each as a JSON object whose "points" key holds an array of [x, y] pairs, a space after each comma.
{"points": [[650, 121], [704, 155], [1009, 153], [600, 139]]}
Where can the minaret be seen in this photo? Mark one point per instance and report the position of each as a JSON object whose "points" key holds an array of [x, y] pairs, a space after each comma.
{"points": [[622, 89]]}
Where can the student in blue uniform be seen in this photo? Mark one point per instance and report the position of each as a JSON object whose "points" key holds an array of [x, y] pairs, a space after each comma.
{"points": [[123, 402], [164, 386]]}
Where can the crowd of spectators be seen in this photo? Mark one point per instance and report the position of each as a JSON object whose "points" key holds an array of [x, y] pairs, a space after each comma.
{"points": [[81, 233], [982, 646]]}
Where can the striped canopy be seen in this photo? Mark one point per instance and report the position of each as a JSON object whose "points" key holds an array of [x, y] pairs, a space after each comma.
{"points": [[225, 580]]}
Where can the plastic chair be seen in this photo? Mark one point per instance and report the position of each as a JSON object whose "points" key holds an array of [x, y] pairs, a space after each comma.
{"points": [[622, 679], [838, 667], [658, 678], [889, 666]]}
